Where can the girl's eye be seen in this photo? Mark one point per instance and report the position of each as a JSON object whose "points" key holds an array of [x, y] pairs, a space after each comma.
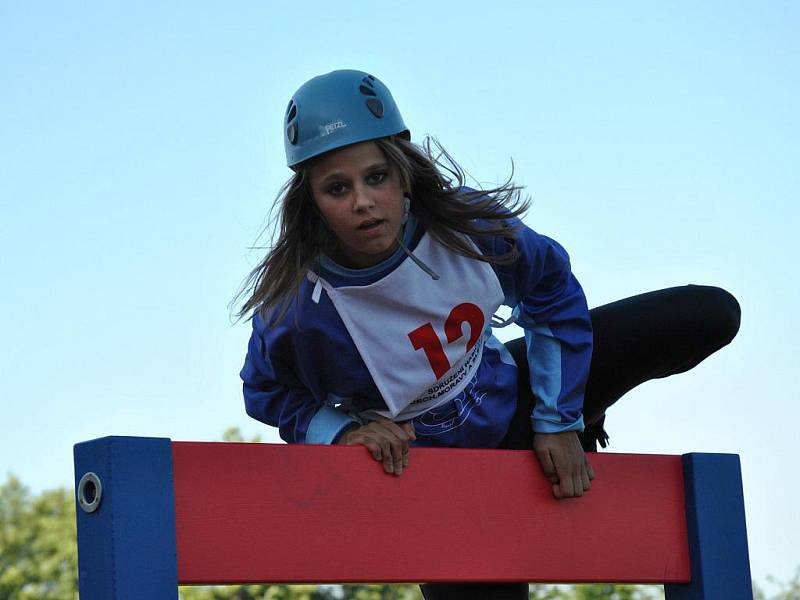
{"points": [[376, 178], [336, 189]]}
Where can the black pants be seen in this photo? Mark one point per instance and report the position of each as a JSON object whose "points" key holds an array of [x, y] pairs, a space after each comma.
{"points": [[645, 337]]}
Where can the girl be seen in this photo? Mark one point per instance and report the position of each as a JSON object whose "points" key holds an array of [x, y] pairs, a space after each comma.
{"points": [[372, 313]]}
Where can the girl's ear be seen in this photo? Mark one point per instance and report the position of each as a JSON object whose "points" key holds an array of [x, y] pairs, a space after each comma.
{"points": [[406, 206]]}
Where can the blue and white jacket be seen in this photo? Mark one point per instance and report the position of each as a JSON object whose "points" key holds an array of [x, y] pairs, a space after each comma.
{"points": [[304, 375]]}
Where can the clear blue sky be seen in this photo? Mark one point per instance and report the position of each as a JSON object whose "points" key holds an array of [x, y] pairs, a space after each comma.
{"points": [[140, 147]]}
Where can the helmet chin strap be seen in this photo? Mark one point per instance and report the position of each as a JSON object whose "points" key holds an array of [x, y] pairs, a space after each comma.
{"points": [[419, 263]]}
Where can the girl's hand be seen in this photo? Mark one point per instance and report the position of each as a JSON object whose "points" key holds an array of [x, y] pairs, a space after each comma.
{"points": [[564, 463], [386, 440]]}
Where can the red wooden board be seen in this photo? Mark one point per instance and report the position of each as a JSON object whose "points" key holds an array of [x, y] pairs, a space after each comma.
{"points": [[279, 513]]}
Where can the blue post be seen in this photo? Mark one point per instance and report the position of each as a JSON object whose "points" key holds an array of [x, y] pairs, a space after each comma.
{"points": [[715, 518], [126, 519]]}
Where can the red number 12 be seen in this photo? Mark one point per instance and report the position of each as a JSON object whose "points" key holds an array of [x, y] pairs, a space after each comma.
{"points": [[425, 337]]}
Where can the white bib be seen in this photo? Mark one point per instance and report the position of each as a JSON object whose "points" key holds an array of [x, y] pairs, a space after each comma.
{"points": [[422, 340]]}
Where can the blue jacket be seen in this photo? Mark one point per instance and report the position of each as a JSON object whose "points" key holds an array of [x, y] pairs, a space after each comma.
{"points": [[304, 375]]}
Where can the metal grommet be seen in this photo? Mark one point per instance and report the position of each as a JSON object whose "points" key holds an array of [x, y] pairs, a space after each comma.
{"points": [[90, 491]]}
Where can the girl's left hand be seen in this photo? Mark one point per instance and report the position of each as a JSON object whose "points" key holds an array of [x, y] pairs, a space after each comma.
{"points": [[564, 463]]}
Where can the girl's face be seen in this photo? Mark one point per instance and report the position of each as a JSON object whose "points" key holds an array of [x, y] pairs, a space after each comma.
{"points": [[361, 199]]}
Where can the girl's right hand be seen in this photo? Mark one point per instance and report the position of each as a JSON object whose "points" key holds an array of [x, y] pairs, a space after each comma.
{"points": [[386, 440]]}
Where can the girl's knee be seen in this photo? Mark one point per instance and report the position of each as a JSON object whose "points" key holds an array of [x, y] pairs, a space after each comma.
{"points": [[721, 313]]}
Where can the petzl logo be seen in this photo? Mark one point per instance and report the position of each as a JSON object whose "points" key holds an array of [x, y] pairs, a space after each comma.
{"points": [[331, 127]]}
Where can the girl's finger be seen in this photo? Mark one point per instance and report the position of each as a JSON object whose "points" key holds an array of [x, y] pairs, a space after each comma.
{"points": [[589, 469], [567, 487], [388, 462], [398, 450], [587, 483], [548, 468], [374, 449], [577, 485]]}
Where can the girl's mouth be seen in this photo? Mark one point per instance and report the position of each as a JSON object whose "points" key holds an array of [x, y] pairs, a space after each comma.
{"points": [[370, 224]]}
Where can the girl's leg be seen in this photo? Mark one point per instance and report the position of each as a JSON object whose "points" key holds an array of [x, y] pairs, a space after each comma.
{"points": [[645, 337], [655, 335]]}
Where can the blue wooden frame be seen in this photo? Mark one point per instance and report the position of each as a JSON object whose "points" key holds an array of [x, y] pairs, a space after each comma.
{"points": [[127, 547], [715, 520]]}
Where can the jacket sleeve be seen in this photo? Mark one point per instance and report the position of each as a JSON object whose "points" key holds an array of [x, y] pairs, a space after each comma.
{"points": [[274, 395], [549, 304]]}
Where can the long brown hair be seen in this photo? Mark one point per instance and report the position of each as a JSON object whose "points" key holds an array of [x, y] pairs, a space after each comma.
{"points": [[445, 209]]}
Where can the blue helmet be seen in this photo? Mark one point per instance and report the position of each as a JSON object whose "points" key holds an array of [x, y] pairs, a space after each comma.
{"points": [[338, 109]]}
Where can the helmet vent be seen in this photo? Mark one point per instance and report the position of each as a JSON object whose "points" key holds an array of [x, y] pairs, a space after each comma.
{"points": [[291, 130], [367, 91], [375, 106], [291, 133]]}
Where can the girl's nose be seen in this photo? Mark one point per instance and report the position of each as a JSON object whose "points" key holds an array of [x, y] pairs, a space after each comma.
{"points": [[361, 199]]}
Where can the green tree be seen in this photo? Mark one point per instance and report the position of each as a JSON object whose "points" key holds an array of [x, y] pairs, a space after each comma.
{"points": [[255, 592], [616, 591], [380, 592], [789, 590], [234, 434], [38, 549]]}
